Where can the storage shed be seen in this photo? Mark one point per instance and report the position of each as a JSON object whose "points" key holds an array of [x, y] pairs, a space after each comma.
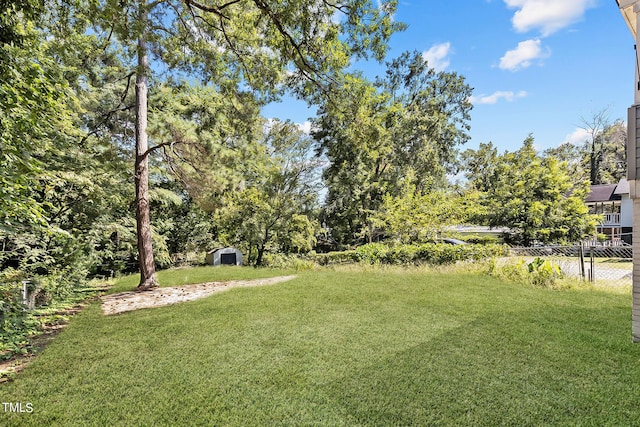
{"points": [[224, 256]]}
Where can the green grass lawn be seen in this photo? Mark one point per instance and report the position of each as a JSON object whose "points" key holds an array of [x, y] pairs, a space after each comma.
{"points": [[376, 347]]}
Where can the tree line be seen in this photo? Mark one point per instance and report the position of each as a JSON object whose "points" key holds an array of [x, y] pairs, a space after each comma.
{"points": [[132, 139]]}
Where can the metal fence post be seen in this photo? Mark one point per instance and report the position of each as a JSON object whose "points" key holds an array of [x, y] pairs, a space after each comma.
{"points": [[581, 253], [592, 275]]}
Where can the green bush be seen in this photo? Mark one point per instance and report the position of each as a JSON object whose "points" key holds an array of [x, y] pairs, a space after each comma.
{"points": [[16, 323], [539, 273], [426, 253], [544, 273], [19, 321], [373, 253], [330, 258], [401, 254], [482, 240]]}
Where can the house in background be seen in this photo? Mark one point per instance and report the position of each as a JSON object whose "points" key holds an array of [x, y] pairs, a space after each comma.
{"points": [[613, 201]]}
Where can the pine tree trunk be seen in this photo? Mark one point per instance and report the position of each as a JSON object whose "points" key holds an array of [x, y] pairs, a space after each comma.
{"points": [[143, 216]]}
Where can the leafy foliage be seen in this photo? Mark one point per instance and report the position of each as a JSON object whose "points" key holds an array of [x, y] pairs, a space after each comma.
{"points": [[377, 136], [539, 273], [258, 46], [534, 196], [274, 211], [412, 217], [208, 139], [602, 157], [426, 253], [36, 102], [15, 322]]}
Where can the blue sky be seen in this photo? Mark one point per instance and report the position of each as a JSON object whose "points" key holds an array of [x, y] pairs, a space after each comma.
{"points": [[537, 66]]}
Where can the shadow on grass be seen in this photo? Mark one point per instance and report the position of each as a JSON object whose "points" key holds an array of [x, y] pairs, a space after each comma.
{"points": [[525, 370], [346, 349]]}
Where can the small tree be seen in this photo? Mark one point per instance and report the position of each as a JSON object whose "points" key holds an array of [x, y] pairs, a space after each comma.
{"points": [[537, 199], [417, 217]]}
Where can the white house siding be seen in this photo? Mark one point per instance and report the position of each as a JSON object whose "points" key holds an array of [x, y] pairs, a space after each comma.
{"points": [[635, 320], [633, 163], [626, 211]]}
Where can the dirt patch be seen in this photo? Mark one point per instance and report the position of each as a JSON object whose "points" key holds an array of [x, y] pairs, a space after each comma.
{"points": [[129, 301]]}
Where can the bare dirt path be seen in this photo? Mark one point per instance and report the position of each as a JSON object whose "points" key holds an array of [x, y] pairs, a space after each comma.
{"points": [[129, 301]]}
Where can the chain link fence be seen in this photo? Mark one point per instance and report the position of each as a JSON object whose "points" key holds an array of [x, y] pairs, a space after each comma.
{"points": [[610, 266]]}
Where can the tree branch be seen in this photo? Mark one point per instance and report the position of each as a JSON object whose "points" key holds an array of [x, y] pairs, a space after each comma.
{"points": [[120, 107], [339, 8], [304, 66], [217, 10], [152, 5], [235, 52], [228, 4]]}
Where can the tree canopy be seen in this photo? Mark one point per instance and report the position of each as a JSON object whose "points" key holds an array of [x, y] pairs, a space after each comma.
{"points": [[131, 138], [275, 208], [533, 195], [253, 45], [375, 136]]}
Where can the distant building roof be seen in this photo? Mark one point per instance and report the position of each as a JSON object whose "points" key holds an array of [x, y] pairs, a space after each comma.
{"points": [[608, 192], [623, 187]]}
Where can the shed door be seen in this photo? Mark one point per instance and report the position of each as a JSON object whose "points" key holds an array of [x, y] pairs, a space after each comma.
{"points": [[228, 259]]}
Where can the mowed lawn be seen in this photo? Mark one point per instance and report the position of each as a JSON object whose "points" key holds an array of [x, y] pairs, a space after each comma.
{"points": [[371, 347]]}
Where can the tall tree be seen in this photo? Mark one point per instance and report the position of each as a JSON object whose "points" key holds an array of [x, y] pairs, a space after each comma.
{"points": [[480, 166], [613, 161], [594, 144], [63, 186], [429, 113], [602, 157], [275, 209], [353, 135], [409, 123], [35, 100], [257, 44]]}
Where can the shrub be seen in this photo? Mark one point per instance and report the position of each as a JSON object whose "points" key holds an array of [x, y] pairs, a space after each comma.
{"points": [[426, 253], [482, 240], [16, 323], [540, 273], [18, 320], [372, 253], [401, 254], [338, 257], [544, 273]]}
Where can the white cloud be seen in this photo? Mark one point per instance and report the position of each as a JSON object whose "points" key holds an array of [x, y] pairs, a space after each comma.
{"points": [[438, 56], [508, 96], [305, 127], [578, 136], [523, 55], [548, 16]]}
